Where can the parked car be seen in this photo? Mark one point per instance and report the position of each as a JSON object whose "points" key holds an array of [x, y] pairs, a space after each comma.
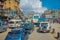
{"points": [[44, 27], [28, 26], [13, 23], [3, 26], [17, 34]]}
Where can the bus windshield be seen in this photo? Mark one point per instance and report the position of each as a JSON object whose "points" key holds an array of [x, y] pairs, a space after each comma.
{"points": [[36, 17]]}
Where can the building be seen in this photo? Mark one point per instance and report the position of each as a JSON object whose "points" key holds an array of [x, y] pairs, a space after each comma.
{"points": [[2, 16], [59, 13], [48, 14], [12, 8], [12, 4], [1, 6]]}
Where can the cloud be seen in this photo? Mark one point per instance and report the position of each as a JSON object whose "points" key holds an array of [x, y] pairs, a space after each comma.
{"points": [[32, 6]]}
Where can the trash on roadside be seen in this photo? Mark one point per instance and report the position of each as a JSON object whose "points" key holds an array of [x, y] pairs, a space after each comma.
{"points": [[58, 35], [53, 31]]}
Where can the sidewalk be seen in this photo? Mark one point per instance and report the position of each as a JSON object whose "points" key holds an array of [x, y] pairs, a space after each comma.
{"points": [[56, 26]]}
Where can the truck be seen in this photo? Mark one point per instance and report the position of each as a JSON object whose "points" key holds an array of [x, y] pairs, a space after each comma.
{"points": [[35, 18]]}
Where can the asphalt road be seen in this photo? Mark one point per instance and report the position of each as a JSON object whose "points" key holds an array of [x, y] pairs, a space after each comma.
{"points": [[40, 36], [4, 34], [35, 35]]}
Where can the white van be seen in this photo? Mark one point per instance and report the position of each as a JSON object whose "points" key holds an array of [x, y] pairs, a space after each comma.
{"points": [[44, 27], [14, 23]]}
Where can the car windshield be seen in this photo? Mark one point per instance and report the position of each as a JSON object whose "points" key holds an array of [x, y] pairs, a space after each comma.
{"points": [[44, 24], [11, 22]]}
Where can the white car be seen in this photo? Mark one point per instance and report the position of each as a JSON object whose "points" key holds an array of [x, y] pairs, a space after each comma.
{"points": [[44, 27], [14, 23]]}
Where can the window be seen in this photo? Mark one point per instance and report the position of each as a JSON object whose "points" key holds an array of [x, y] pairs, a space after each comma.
{"points": [[11, 22], [4, 2], [9, 2], [44, 24]]}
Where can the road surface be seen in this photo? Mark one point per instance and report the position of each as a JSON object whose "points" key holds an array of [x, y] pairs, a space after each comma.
{"points": [[35, 35], [40, 36]]}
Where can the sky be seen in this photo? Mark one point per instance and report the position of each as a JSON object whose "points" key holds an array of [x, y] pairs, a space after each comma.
{"points": [[53, 4], [38, 6]]}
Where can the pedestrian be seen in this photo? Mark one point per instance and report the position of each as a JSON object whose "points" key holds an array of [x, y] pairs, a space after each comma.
{"points": [[58, 35]]}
